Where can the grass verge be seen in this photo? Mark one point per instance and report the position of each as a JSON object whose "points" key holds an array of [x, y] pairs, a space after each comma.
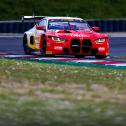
{"points": [[51, 95]]}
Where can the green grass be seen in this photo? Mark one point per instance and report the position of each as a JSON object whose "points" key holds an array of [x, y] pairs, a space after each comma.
{"points": [[10, 9], [35, 94]]}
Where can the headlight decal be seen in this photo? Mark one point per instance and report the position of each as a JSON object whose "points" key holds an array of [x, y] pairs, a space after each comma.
{"points": [[101, 40], [57, 39]]}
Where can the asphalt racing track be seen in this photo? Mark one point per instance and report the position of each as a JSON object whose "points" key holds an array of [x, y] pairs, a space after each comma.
{"points": [[11, 47]]}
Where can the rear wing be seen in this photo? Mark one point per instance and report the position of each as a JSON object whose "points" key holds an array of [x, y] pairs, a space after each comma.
{"points": [[32, 18], [29, 21]]}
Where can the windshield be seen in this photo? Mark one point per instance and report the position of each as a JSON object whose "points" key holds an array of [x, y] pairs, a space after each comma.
{"points": [[56, 24]]}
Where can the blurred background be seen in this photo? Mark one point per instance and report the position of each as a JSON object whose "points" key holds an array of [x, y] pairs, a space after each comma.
{"points": [[91, 9], [109, 15]]}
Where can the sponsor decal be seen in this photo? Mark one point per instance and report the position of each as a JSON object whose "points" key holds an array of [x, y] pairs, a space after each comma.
{"points": [[79, 35], [58, 48], [101, 49], [48, 52]]}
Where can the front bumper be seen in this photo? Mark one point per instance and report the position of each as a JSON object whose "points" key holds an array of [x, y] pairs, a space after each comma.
{"points": [[79, 47]]}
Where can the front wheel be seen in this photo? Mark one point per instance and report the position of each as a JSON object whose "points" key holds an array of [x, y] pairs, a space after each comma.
{"points": [[43, 50], [100, 56], [79, 56]]}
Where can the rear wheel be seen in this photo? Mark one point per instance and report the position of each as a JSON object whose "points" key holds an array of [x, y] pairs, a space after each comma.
{"points": [[100, 56], [25, 45], [27, 50]]}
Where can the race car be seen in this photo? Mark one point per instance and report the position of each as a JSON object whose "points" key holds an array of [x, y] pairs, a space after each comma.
{"points": [[67, 36]]}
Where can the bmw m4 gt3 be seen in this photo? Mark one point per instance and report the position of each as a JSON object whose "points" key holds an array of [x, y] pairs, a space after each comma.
{"points": [[66, 35]]}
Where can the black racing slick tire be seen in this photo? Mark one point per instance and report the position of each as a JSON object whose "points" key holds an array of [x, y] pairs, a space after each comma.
{"points": [[43, 50], [27, 51], [100, 56], [79, 56]]}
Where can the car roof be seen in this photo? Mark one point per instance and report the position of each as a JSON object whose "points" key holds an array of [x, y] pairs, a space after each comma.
{"points": [[75, 18]]}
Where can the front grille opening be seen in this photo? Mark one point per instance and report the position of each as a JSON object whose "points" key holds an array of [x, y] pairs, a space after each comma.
{"points": [[86, 46], [75, 45], [94, 51]]}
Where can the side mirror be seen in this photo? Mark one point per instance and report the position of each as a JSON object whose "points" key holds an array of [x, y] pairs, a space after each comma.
{"points": [[38, 27], [96, 29]]}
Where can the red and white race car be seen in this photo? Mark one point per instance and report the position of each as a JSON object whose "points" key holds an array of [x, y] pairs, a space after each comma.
{"points": [[66, 35]]}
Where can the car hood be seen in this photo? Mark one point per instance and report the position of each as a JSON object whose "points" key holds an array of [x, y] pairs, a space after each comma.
{"points": [[77, 34]]}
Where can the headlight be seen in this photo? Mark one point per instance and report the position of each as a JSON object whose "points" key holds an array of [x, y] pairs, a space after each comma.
{"points": [[57, 39], [100, 40]]}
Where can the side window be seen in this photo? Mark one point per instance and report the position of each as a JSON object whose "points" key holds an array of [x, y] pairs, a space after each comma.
{"points": [[43, 23]]}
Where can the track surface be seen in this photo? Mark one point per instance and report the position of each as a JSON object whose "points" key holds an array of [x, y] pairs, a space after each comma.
{"points": [[13, 45]]}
